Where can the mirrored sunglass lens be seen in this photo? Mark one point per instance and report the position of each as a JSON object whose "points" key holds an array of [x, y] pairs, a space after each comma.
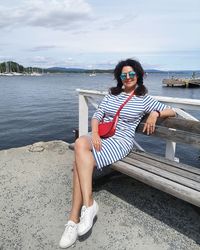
{"points": [[131, 74], [123, 76]]}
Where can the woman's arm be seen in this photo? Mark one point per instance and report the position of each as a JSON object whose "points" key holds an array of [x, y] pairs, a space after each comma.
{"points": [[96, 118], [149, 126], [94, 125], [96, 140]]}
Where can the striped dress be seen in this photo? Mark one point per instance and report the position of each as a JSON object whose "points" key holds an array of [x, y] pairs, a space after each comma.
{"points": [[118, 146]]}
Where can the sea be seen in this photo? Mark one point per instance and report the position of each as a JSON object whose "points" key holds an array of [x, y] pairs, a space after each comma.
{"points": [[45, 108]]}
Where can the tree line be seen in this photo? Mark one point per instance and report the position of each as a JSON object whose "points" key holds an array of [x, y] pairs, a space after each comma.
{"points": [[10, 66]]}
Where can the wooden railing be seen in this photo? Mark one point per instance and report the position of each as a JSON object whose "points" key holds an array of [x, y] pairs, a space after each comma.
{"points": [[179, 104]]}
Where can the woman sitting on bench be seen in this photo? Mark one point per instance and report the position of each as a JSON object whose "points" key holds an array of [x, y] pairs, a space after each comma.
{"points": [[93, 151]]}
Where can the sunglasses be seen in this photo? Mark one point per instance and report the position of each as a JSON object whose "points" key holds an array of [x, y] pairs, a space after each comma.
{"points": [[131, 74]]}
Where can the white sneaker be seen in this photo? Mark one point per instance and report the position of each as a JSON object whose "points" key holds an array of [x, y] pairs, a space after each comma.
{"points": [[87, 216], [70, 235]]}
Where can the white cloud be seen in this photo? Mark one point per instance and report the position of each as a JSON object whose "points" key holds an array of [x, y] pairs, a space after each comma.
{"points": [[99, 32], [115, 23], [43, 47], [40, 59], [53, 14]]}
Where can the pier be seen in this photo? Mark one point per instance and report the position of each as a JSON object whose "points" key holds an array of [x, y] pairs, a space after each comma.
{"points": [[36, 196], [179, 82]]}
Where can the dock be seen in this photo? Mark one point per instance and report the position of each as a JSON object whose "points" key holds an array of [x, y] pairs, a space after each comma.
{"points": [[181, 82], [35, 201]]}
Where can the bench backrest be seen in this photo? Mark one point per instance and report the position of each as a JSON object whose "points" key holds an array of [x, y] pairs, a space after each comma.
{"points": [[177, 130]]}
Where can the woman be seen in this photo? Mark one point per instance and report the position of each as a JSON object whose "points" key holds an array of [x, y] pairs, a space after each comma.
{"points": [[91, 150]]}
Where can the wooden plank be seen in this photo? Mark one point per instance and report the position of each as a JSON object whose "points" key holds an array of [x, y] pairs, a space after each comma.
{"points": [[181, 124], [160, 159], [163, 165], [178, 123], [174, 135], [163, 173], [185, 193], [176, 129], [165, 185]]}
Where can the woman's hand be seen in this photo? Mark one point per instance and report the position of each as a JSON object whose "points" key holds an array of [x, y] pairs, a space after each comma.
{"points": [[150, 124], [96, 141]]}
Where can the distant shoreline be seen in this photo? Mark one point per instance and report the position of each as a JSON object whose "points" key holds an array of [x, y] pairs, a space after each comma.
{"points": [[15, 68]]}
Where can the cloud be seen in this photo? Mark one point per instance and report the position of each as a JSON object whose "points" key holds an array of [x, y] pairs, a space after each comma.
{"points": [[43, 48], [5, 58], [40, 61], [52, 14], [111, 24]]}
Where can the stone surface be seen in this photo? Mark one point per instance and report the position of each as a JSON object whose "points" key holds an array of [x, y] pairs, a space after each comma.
{"points": [[36, 196]]}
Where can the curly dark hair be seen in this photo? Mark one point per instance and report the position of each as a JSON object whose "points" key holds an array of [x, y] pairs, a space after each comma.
{"points": [[141, 89]]}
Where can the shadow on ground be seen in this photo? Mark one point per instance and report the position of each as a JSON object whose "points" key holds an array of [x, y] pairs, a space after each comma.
{"points": [[177, 214]]}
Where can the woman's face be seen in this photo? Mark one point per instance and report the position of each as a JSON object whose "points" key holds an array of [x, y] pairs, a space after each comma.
{"points": [[129, 78]]}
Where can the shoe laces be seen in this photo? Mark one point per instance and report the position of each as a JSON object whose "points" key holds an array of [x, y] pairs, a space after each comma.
{"points": [[69, 228], [83, 211]]}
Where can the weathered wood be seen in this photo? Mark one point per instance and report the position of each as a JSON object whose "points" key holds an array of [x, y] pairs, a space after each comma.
{"points": [[181, 124], [161, 183], [177, 136], [177, 179], [177, 130], [178, 123], [166, 167], [161, 172], [160, 159]]}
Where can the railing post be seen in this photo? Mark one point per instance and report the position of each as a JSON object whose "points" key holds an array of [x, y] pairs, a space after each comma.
{"points": [[83, 115], [170, 150]]}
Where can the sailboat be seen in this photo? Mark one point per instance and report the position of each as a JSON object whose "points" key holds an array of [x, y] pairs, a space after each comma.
{"points": [[8, 70], [92, 74], [35, 72]]}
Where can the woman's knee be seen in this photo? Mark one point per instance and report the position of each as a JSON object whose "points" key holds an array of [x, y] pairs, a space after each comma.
{"points": [[82, 143]]}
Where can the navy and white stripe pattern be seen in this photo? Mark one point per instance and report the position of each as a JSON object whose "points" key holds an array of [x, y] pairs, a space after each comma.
{"points": [[118, 146]]}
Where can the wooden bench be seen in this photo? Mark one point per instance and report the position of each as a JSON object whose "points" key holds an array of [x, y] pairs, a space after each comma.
{"points": [[177, 179]]}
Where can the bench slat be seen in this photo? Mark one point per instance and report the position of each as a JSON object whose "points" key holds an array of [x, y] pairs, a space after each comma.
{"points": [[158, 158], [168, 186], [167, 167], [163, 173], [181, 124], [178, 123], [179, 136]]}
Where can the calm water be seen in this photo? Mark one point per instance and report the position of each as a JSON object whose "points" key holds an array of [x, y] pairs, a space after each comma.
{"points": [[46, 108]]}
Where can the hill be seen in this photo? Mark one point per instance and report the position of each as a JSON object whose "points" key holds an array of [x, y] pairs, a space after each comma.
{"points": [[10, 66]]}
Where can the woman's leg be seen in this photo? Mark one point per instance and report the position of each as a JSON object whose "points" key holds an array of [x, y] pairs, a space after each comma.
{"points": [[70, 233], [77, 200], [82, 171], [82, 194], [85, 163]]}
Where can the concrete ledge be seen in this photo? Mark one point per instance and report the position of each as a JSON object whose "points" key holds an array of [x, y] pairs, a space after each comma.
{"points": [[35, 199]]}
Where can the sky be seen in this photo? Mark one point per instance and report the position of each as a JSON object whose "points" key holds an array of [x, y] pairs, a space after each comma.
{"points": [[90, 34]]}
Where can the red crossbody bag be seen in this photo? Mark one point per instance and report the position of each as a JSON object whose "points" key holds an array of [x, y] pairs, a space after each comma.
{"points": [[107, 129]]}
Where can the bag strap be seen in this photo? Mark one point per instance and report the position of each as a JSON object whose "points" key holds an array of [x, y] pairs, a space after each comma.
{"points": [[121, 107]]}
